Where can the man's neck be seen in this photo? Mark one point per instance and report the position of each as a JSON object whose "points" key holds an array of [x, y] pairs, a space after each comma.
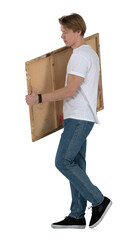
{"points": [[78, 43]]}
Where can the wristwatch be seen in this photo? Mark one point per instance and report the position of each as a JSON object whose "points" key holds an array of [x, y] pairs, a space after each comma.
{"points": [[40, 98]]}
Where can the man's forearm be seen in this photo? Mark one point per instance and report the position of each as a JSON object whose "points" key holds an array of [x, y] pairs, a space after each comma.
{"points": [[57, 95]]}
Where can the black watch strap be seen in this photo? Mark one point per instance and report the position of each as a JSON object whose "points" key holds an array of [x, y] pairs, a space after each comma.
{"points": [[40, 98]]}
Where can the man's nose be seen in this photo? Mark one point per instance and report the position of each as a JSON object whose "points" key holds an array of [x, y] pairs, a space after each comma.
{"points": [[62, 35]]}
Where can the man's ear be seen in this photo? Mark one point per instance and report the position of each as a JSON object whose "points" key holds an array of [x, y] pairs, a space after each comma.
{"points": [[79, 32]]}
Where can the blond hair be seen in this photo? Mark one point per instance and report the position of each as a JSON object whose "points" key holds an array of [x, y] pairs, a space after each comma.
{"points": [[75, 22]]}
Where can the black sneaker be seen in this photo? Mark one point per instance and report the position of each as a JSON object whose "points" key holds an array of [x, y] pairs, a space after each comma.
{"points": [[70, 222], [99, 212]]}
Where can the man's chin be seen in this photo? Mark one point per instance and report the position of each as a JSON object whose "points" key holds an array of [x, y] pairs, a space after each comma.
{"points": [[67, 44]]}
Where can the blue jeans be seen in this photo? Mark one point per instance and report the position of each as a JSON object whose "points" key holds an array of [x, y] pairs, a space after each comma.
{"points": [[70, 161]]}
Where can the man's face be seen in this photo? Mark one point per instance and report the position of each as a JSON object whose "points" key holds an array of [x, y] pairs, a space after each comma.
{"points": [[69, 37]]}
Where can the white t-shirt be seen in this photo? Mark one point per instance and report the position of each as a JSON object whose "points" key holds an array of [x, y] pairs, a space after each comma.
{"points": [[84, 62]]}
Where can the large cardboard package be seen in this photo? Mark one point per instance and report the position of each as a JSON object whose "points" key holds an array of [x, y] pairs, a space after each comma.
{"points": [[45, 74]]}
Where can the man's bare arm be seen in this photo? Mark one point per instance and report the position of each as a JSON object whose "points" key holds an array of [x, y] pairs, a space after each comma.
{"points": [[73, 83]]}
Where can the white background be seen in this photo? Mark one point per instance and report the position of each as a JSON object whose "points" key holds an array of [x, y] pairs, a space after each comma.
{"points": [[33, 194]]}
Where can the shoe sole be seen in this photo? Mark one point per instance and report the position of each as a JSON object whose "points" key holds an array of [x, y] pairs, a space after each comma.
{"points": [[68, 227], [103, 215]]}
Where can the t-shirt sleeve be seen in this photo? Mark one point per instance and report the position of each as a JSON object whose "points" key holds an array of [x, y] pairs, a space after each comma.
{"points": [[78, 65]]}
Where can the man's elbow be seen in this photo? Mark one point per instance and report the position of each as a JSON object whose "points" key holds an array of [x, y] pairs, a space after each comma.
{"points": [[70, 92]]}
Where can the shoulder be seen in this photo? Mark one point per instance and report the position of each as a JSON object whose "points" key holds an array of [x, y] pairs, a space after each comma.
{"points": [[84, 51], [81, 53]]}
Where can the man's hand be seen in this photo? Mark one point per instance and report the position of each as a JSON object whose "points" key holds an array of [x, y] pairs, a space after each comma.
{"points": [[32, 99]]}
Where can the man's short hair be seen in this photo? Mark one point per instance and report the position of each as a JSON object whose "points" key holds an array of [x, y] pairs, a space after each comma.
{"points": [[73, 21]]}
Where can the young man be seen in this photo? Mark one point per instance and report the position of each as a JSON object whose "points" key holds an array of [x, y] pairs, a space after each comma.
{"points": [[79, 110]]}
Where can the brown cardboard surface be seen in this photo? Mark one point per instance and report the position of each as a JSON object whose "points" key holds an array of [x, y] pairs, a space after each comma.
{"points": [[45, 74]]}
